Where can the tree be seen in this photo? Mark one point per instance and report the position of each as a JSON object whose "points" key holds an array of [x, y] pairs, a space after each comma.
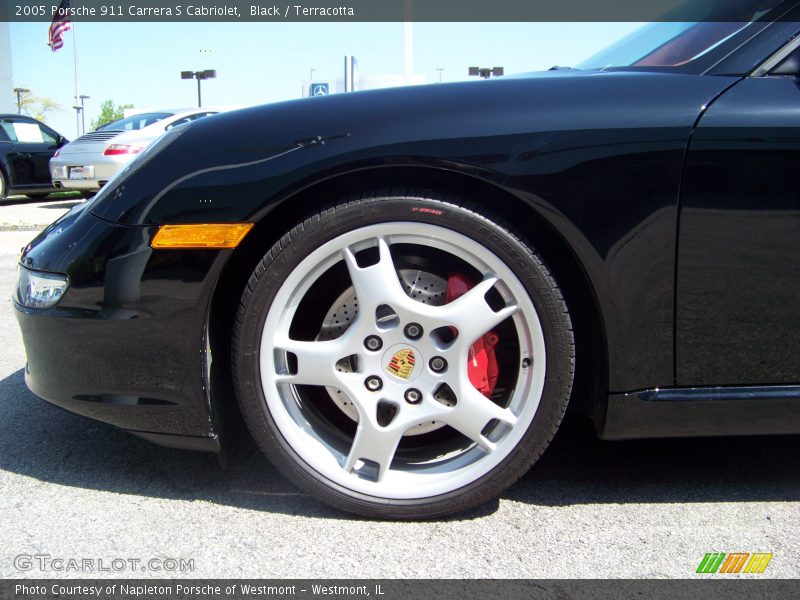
{"points": [[108, 113], [38, 107]]}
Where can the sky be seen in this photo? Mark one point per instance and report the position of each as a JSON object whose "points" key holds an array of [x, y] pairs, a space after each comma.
{"points": [[258, 63]]}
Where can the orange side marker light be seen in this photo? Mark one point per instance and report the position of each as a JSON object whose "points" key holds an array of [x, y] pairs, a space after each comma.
{"points": [[201, 235]]}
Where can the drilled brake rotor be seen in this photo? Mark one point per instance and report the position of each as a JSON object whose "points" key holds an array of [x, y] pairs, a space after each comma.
{"points": [[421, 286]]}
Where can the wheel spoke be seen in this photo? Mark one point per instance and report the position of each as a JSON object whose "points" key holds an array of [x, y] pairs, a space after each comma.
{"points": [[472, 315], [376, 284], [473, 412], [316, 362], [374, 444]]}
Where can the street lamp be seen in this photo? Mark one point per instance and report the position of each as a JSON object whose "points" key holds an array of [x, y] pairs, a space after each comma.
{"points": [[199, 75], [83, 97], [78, 111], [19, 92], [485, 72], [441, 70]]}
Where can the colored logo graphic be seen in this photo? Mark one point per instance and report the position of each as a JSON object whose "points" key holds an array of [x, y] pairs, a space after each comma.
{"points": [[734, 562], [402, 363]]}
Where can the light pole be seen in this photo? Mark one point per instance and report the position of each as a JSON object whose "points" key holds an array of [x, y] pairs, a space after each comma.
{"points": [[19, 92], [486, 72], [311, 75], [78, 119], [83, 97], [441, 70], [199, 75]]}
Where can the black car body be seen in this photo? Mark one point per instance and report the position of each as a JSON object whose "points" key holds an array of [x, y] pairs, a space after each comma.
{"points": [[26, 147], [664, 202]]}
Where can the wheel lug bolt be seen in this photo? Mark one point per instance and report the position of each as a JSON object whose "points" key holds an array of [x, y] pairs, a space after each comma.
{"points": [[413, 396], [413, 331], [373, 383], [438, 364], [373, 342]]}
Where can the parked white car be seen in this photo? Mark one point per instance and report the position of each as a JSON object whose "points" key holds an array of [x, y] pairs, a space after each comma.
{"points": [[90, 161]]}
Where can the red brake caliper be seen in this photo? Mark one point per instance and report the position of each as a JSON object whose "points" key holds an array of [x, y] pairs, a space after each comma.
{"points": [[482, 368]]}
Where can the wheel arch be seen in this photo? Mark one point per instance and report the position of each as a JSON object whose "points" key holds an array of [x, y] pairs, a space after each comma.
{"points": [[590, 386]]}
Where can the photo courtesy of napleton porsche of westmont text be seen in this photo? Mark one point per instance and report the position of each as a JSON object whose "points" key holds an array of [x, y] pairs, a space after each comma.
{"points": [[182, 590], [399, 298]]}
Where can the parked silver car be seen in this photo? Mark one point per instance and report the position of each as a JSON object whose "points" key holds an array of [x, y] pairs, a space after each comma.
{"points": [[90, 161]]}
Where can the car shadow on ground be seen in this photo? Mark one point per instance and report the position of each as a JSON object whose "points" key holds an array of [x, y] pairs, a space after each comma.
{"points": [[63, 205], [69, 199], [41, 441]]}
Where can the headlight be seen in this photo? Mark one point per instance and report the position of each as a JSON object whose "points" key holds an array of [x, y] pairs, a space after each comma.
{"points": [[39, 290]]}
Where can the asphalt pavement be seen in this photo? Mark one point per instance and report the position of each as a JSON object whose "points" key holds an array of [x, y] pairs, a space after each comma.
{"points": [[71, 488]]}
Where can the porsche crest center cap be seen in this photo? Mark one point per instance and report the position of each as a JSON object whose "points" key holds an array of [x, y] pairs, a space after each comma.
{"points": [[400, 362]]}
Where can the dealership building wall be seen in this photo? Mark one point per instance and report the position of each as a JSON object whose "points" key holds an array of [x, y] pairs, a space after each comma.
{"points": [[7, 100]]}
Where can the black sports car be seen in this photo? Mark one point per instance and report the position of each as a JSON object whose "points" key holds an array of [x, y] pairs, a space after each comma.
{"points": [[405, 289], [26, 147]]}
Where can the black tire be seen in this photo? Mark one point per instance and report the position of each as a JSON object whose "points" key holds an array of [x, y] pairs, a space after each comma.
{"points": [[3, 186], [38, 196], [528, 283]]}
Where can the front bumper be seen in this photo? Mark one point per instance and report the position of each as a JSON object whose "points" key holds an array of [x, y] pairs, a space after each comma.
{"points": [[126, 343]]}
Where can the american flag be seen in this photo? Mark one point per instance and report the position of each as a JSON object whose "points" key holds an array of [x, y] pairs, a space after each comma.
{"points": [[59, 26]]}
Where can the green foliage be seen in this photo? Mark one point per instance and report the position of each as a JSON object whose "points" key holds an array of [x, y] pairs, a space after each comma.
{"points": [[109, 113], [38, 107]]}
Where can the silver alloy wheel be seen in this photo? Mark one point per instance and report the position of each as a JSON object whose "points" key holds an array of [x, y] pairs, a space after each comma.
{"points": [[365, 462]]}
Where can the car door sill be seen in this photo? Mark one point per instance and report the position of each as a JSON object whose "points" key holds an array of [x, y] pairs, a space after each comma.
{"points": [[703, 411]]}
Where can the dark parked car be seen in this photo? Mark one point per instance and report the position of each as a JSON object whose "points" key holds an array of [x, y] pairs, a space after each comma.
{"points": [[26, 147], [405, 289]]}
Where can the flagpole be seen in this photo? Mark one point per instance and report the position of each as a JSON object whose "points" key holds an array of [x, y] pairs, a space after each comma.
{"points": [[75, 64]]}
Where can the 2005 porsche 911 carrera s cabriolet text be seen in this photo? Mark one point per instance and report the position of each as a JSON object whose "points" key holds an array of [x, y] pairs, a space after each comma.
{"points": [[404, 290]]}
